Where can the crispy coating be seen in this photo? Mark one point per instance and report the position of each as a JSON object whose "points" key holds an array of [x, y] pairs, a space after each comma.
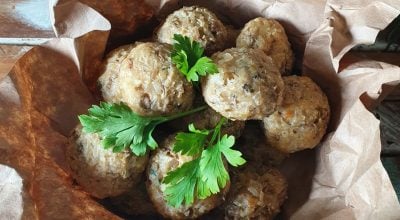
{"points": [[255, 194], [161, 162], [269, 36], [248, 85], [301, 121], [148, 82], [99, 171], [198, 24]]}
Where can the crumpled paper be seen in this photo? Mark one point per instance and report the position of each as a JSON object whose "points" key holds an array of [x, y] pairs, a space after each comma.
{"points": [[51, 84]]}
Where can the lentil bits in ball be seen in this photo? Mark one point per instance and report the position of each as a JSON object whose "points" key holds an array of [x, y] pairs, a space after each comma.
{"points": [[301, 121], [163, 160], [247, 86], [269, 36], [197, 23], [101, 172], [149, 83]]}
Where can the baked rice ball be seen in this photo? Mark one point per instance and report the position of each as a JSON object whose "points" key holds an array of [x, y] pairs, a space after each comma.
{"points": [[255, 194], [301, 121], [247, 86], [148, 82], [198, 24], [269, 36], [101, 172], [161, 162]]}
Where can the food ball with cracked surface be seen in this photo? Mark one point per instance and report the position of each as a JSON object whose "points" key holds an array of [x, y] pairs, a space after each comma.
{"points": [[148, 82], [197, 23], [269, 36], [247, 85], [161, 162], [101, 172], [301, 121], [255, 194]]}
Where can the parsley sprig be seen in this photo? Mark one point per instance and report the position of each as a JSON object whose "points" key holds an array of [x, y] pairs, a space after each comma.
{"points": [[205, 174], [120, 127], [187, 55]]}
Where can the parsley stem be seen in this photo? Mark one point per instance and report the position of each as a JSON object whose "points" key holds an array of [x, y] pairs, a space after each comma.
{"points": [[163, 119], [217, 130]]}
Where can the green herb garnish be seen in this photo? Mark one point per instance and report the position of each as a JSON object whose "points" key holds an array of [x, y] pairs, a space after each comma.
{"points": [[188, 57], [120, 127], [205, 174]]}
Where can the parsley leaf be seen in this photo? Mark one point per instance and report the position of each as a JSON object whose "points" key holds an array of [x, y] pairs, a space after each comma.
{"points": [[206, 174], [120, 127], [203, 66], [233, 157], [184, 180], [212, 167], [190, 143], [188, 57]]}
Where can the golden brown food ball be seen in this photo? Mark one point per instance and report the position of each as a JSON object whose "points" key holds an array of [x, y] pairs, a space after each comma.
{"points": [[198, 24], [208, 119], [99, 171], [148, 82], [161, 162], [301, 121], [108, 80], [269, 36], [255, 194], [247, 86]]}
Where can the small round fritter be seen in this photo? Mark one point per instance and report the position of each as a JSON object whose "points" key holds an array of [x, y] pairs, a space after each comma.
{"points": [[208, 119], [148, 82], [108, 80], [99, 171], [301, 121], [269, 36], [198, 24], [247, 86], [255, 194], [162, 161]]}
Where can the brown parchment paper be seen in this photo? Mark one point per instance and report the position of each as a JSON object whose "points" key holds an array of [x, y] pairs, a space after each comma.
{"points": [[51, 84]]}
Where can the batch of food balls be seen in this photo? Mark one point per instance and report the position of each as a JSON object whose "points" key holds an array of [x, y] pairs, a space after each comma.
{"points": [[253, 84]]}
